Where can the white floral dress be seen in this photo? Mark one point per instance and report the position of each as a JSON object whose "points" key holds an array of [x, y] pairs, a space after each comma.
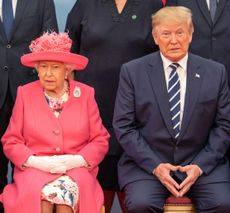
{"points": [[63, 190]]}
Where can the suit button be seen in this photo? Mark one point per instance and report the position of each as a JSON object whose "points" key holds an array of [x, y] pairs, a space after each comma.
{"points": [[5, 68], [214, 38], [58, 149], [8, 46], [56, 132]]}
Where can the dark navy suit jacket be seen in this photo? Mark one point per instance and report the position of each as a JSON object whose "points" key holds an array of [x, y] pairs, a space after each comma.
{"points": [[142, 120], [32, 18], [210, 39]]}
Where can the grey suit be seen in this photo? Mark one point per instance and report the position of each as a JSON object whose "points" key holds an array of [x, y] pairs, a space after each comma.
{"points": [[32, 18], [142, 123]]}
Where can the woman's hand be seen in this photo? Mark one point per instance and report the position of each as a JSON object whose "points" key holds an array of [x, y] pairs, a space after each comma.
{"points": [[69, 162], [57, 163], [45, 163]]}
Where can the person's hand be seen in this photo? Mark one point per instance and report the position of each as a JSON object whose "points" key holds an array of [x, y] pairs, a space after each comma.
{"points": [[162, 172], [68, 162], [45, 163], [193, 172]]}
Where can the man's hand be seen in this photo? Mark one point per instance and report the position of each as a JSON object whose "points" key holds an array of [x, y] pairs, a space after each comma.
{"points": [[162, 172], [193, 172]]}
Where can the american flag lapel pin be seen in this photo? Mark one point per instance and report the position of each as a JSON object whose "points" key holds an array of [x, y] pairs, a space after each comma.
{"points": [[197, 75]]}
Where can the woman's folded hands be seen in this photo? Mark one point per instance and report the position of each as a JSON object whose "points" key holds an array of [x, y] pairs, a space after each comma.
{"points": [[56, 163]]}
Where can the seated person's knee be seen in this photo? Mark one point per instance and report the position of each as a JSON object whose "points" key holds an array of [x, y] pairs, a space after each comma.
{"points": [[139, 204]]}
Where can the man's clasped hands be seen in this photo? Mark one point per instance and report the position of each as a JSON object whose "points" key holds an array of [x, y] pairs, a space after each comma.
{"points": [[164, 170]]}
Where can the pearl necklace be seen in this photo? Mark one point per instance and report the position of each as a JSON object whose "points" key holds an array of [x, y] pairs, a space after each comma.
{"points": [[64, 90]]}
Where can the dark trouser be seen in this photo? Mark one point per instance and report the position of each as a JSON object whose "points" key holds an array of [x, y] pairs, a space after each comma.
{"points": [[5, 113], [148, 196]]}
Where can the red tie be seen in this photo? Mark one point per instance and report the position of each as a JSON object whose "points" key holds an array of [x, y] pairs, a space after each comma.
{"points": [[164, 2]]}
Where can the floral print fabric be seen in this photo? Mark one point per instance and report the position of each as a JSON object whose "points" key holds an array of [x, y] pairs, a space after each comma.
{"points": [[62, 191], [57, 104]]}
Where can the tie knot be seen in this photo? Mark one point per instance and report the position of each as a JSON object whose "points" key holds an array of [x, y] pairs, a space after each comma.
{"points": [[174, 66]]}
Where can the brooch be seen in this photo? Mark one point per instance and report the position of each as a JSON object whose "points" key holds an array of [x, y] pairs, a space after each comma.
{"points": [[77, 92]]}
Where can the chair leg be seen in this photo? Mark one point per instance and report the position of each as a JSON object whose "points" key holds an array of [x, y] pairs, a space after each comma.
{"points": [[103, 209], [178, 205]]}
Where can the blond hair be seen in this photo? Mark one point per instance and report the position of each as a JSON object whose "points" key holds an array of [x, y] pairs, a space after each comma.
{"points": [[176, 14]]}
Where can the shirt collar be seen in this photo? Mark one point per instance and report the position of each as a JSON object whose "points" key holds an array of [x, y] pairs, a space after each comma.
{"points": [[167, 62]]}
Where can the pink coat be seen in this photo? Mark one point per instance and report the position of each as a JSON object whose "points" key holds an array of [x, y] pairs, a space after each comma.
{"points": [[34, 129]]}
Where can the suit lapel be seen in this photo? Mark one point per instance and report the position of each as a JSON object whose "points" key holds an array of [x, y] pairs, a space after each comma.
{"points": [[194, 80], [219, 10], [202, 4], [2, 33], [157, 78], [40, 98], [19, 13], [43, 106]]}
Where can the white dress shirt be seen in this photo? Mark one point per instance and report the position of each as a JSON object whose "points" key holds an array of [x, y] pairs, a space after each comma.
{"points": [[182, 73], [14, 4]]}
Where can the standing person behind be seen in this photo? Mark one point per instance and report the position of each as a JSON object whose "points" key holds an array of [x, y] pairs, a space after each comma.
{"points": [[172, 118], [21, 22], [211, 38], [55, 137], [109, 33], [211, 29]]}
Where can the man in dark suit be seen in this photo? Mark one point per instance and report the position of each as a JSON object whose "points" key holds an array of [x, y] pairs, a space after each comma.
{"points": [[212, 35], [172, 118], [30, 19]]}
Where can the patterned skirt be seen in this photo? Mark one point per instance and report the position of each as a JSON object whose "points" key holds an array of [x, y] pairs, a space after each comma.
{"points": [[64, 190]]}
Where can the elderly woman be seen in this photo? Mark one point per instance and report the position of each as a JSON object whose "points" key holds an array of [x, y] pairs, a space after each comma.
{"points": [[55, 137]]}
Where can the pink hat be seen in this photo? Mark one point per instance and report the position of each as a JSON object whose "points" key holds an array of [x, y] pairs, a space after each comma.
{"points": [[53, 47]]}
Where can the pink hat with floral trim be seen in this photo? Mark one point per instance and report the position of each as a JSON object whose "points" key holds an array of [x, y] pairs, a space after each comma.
{"points": [[53, 47]]}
